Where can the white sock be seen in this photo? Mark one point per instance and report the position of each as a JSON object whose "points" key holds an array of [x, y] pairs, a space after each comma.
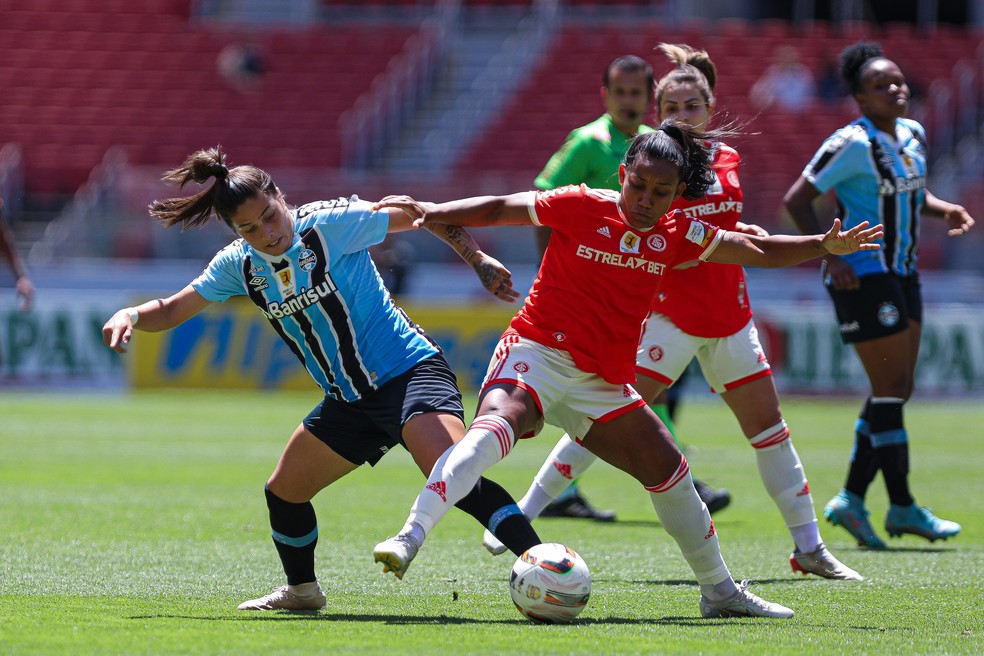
{"points": [[566, 462], [455, 473], [685, 518], [782, 473]]}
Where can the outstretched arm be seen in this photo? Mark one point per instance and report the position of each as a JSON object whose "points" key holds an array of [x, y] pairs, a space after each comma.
{"points": [[787, 250], [404, 213], [153, 316], [474, 211]]}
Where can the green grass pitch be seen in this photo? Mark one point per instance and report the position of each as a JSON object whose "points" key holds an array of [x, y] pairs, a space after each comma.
{"points": [[135, 524]]}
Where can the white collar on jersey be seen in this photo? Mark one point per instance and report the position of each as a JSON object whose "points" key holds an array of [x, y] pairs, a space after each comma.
{"points": [[295, 247]]}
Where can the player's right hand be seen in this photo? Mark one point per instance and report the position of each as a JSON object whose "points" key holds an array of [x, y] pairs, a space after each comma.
{"points": [[838, 274], [118, 331]]}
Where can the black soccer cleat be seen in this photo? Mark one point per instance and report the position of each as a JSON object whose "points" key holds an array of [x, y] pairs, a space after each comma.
{"points": [[715, 500], [577, 507]]}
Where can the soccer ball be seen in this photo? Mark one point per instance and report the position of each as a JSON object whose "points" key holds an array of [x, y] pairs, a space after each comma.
{"points": [[550, 583]]}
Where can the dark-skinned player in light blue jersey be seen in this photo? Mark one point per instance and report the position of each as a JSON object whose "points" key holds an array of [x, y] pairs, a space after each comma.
{"points": [[385, 382], [876, 165]]}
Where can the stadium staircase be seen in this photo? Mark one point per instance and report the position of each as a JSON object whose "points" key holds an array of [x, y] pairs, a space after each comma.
{"points": [[561, 92], [81, 76], [489, 52]]}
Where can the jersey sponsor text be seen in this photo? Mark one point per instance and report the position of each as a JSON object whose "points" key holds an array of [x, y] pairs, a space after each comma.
{"points": [[710, 209], [305, 298], [619, 260]]}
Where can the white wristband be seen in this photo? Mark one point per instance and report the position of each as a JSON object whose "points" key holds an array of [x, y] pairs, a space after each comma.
{"points": [[134, 315]]}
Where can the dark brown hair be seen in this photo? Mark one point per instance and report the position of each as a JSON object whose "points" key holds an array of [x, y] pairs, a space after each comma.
{"points": [[691, 66], [232, 187]]}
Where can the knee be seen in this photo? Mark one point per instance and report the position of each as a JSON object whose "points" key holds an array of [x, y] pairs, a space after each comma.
{"points": [[280, 488], [523, 421], [899, 387]]}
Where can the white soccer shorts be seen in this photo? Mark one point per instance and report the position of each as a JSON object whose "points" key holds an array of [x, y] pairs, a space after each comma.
{"points": [[568, 397], [727, 362]]}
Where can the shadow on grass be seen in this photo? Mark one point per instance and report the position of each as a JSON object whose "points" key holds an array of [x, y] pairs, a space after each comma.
{"points": [[398, 620], [894, 549], [694, 584]]}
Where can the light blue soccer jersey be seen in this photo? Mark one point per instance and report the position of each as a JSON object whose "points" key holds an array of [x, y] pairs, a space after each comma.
{"points": [[325, 298], [878, 178]]}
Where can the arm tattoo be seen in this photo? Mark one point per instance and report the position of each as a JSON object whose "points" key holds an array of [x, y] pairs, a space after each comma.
{"points": [[488, 275], [458, 239]]}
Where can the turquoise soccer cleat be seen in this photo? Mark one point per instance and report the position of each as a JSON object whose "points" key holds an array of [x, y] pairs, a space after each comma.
{"points": [[918, 521], [847, 510]]}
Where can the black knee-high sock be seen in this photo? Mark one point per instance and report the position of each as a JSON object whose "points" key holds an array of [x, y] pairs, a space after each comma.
{"points": [[295, 534], [491, 505], [891, 444], [864, 461]]}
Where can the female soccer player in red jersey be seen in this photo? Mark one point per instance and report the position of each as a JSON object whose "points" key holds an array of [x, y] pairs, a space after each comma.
{"points": [[568, 356], [702, 311]]}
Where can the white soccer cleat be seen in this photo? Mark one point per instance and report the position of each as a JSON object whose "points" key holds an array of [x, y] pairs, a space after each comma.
{"points": [[492, 543], [743, 604], [396, 554], [822, 563], [289, 597]]}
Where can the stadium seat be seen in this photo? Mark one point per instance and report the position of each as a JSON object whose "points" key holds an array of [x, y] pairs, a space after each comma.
{"points": [[82, 73]]}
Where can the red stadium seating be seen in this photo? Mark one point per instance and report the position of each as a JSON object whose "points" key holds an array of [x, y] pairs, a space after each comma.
{"points": [[562, 93], [79, 76], [78, 79]]}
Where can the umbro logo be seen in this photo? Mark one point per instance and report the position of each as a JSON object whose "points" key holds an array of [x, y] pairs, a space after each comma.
{"points": [[440, 488], [603, 231]]}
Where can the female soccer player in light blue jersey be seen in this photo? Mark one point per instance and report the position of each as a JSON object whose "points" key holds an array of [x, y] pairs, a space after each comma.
{"points": [[876, 165], [385, 382]]}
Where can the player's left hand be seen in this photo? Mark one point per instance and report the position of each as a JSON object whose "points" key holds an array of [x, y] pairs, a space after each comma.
{"points": [[958, 220], [495, 277], [858, 238]]}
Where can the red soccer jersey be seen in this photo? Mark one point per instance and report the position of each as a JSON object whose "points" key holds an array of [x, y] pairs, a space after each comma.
{"points": [[599, 276], [709, 300]]}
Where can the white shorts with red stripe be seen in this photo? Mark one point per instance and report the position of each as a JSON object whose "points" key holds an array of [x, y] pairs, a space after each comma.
{"points": [[568, 397], [727, 362]]}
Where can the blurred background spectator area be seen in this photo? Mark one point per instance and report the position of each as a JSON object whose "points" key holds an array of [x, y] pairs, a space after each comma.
{"points": [[438, 98]]}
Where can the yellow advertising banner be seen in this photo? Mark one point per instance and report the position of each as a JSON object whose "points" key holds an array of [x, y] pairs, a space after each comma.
{"points": [[231, 345]]}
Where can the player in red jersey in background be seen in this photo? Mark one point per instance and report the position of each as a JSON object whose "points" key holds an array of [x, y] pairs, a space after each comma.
{"points": [[702, 311], [568, 357]]}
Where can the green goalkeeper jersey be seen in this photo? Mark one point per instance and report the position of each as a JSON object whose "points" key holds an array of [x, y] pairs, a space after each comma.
{"points": [[590, 155]]}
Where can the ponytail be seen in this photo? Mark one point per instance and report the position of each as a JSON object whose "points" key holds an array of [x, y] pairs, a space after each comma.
{"points": [[690, 67], [232, 187], [677, 143]]}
